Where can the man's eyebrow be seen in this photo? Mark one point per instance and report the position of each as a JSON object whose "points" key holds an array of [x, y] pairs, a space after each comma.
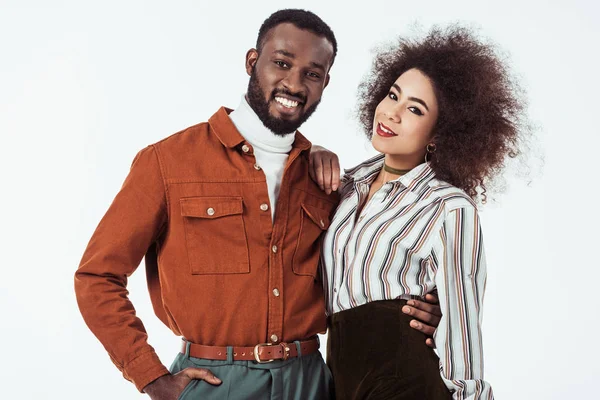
{"points": [[317, 65], [292, 55], [285, 53], [395, 86]]}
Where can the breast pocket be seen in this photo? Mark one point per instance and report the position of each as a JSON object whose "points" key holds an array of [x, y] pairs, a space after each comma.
{"points": [[313, 221], [215, 235]]}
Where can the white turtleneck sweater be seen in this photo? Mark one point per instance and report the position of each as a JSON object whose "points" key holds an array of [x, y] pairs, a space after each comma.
{"points": [[270, 150]]}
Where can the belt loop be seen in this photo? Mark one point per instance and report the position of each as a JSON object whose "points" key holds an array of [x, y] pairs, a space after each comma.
{"points": [[229, 354], [187, 349], [298, 347]]}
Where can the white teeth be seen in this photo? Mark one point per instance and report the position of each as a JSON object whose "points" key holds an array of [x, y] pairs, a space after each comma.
{"points": [[286, 102], [386, 130]]}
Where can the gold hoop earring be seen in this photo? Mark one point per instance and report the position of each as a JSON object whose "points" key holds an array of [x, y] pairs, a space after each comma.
{"points": [[430, 149]]}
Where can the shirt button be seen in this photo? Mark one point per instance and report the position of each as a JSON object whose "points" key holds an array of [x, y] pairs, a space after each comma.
{"points": [[264, 207], [210, 211], [274, 248], [245, 148], [257, 167], [274, 338], [335, 290], [276, 292]]}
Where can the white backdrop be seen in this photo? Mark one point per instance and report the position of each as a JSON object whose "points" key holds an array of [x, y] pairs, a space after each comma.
{"points": [[85, 85]]}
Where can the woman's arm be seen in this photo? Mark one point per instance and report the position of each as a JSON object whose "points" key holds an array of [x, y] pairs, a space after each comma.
{"points": [[460, 276], [324, 168]]}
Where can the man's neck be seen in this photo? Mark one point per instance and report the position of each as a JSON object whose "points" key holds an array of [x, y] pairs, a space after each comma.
{"points": [[254, 131]]}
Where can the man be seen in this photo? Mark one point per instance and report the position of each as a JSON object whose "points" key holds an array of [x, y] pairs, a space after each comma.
{"points": [[229, 221]]}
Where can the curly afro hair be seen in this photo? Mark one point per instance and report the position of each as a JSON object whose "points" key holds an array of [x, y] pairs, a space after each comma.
{"points": [[481, 107]]}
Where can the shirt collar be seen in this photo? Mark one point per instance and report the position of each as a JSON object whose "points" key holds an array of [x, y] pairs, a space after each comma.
{"points": [[224, 128], [366, 172]]}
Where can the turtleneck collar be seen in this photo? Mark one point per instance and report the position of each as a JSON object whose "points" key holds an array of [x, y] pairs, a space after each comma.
{"points": [[256, 133]]}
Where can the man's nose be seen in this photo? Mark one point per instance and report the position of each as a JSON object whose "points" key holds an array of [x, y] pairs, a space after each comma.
{"points": [[294, 82]]}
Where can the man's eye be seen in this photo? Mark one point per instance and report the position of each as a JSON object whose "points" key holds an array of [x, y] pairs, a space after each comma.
{"points": [[313, 75], [282, 64]]}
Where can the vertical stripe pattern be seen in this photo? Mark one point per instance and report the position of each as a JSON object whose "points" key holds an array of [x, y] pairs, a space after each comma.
{"points": [[415, 235]]}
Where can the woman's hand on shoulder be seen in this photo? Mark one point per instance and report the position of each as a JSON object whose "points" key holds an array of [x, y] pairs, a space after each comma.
{"points": [[324, 168]]}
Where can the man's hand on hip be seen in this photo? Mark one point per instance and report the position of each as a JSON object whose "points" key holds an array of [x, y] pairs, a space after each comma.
{"points": [[170, 387], [428, 315]]}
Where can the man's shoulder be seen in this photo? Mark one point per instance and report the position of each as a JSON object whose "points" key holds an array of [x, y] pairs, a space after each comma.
{"points": [[188, 150], [185, 137]]}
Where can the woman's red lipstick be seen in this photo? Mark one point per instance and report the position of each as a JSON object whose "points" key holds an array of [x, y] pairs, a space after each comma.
{"points": [[385, 131]]}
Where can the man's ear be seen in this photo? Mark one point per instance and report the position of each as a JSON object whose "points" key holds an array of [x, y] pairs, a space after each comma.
{"points": [[326, 81], [251, 59]]}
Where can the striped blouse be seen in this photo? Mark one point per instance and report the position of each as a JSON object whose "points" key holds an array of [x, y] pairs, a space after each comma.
{"points": [[415, 235]]}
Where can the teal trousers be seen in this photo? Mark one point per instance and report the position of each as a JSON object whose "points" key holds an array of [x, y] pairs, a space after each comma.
{"points": [[300, 378]]}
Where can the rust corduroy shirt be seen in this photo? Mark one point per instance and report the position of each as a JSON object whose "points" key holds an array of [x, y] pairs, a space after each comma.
{"points": [[219, 270]]}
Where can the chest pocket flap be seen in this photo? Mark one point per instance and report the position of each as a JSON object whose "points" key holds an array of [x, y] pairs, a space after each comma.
{"points": [[313, 222], [215, 235], [318, 216], [211, 207]]}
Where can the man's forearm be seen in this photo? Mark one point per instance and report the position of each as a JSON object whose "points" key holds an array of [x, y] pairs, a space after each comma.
{"points": [[114, 252]]}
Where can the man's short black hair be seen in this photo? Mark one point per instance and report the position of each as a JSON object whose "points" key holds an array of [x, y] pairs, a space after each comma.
{"points": [[302, 19]]}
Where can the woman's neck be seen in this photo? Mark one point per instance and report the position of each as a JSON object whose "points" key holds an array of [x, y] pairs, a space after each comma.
{"points": [[395, 166], [403, 162]]}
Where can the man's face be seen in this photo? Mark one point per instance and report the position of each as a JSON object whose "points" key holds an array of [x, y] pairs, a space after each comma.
{"points": [[288, 78]]}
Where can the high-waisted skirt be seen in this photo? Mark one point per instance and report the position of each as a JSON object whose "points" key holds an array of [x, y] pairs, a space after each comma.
{"points": [[373, 353]]}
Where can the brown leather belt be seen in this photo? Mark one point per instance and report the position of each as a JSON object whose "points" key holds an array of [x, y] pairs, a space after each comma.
{"points": [[261, 353]]}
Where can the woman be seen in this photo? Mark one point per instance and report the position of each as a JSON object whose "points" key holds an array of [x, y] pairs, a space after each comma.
{"points": [[444, 114]]}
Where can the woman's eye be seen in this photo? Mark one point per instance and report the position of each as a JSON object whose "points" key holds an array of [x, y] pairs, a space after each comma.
{"points": [[392, 96], [415, 110]]}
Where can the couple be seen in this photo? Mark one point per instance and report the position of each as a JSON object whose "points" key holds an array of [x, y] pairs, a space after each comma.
{"points": [[233, 231]]}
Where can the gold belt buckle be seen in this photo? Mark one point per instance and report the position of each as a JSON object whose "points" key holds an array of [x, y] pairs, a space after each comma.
{"points": [[284, 346], [257, 356]]}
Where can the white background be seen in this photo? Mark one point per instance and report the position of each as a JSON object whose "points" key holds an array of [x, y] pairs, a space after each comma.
{"points": [[85, 85]]}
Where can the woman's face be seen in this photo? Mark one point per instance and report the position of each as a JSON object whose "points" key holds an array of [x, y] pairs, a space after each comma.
{"points": [[405, 118]]}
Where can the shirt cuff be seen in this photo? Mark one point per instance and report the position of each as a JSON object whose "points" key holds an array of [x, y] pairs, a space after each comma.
{"points": [[144, 369]]}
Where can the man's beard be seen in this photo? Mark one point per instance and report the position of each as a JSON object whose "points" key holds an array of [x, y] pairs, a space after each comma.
{"points": [[260, 106]]}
